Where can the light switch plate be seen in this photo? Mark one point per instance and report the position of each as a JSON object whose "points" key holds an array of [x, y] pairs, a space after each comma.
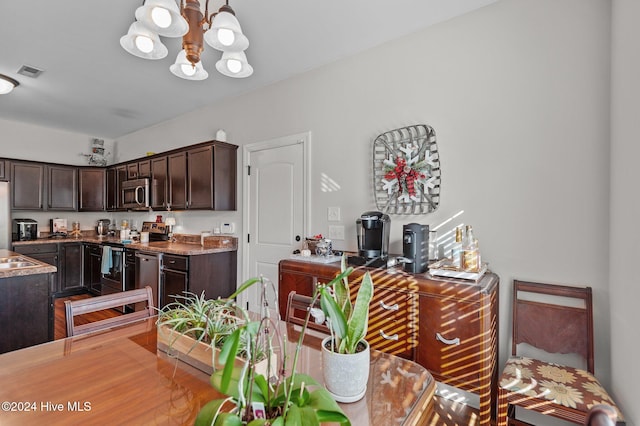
{"points": [[336, 232], [333, 214]]}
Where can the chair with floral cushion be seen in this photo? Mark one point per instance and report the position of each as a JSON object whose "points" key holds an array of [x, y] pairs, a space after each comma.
{"points": [[551, 319]]}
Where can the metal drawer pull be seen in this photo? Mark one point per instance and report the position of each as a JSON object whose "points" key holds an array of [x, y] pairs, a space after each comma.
{"points": [[455, 341], [393, 307], [387, 337]]}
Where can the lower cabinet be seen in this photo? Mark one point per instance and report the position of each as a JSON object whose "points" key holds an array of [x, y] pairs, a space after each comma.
{"points": [[26, 311], [213, 273], [448, 326], [92, 268], [66, 256]]}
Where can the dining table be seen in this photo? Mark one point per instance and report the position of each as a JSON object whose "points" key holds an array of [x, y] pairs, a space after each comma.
{"points": [[119, 376]]}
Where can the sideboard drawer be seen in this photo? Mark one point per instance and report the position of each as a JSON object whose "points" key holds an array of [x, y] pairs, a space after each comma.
{"points": [[393, 317], [450, 341]]}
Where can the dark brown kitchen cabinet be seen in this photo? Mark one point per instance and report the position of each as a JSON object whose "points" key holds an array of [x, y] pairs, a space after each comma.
{"points": [[111, 189], [70, 267], [214, 274], [62, 188], [159, 189], [92, 182], [26, 311], [66, 256], [177, 177], [211, 177], [27, 186], [3, 170], [92, 268], [139, 169]]}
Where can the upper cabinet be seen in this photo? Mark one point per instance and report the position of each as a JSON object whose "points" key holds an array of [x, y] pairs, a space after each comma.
{"points": [[92, 189], [202, 177], [139, 169], [159, 188], [211, 177], [62, 188], [195, 177], [27, 186]]}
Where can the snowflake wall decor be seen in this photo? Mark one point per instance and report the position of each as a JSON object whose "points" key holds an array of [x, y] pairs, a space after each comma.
{"points": [[406, 170]]}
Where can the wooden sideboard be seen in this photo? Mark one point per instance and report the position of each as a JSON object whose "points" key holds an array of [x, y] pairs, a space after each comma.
{"points": [[449, 326]]}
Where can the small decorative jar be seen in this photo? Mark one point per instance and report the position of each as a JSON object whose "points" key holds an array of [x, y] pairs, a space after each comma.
{"points": [[324, 247]]}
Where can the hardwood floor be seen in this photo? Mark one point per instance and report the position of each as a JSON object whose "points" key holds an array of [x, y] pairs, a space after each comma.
{"points": [[446, 412], [60, 322]]}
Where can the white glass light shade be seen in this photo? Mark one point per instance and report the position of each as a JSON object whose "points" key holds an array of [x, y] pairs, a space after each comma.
{"points": [[151, 15], [6, 84], [225, 33], [234, 64], [138, 37], [171, 221], [184, 69]]}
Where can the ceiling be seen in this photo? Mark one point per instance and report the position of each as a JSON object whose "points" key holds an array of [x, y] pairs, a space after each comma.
{"points": [[90, 85]]}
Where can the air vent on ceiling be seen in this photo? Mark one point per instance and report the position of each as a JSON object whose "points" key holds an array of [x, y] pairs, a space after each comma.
{"points": [[30, 71]]}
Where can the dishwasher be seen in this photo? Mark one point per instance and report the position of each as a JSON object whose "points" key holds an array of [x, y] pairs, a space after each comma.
{"points": [[148, 273]]}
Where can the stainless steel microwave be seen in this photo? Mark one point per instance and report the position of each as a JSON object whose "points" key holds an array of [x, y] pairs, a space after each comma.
{"points": [[135, 194]]}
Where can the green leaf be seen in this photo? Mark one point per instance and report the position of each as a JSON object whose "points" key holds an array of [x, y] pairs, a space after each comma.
{"points": [[245, 285], [228, 419], [357, 324], [232, 385], [226, 357], [327, 409], [333, 312], [207, 414]]}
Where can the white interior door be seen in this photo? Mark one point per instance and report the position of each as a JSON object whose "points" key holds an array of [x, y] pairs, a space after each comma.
{"points": [[275, 200]]}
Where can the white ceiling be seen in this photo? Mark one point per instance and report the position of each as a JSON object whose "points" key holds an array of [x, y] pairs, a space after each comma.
{"points": [[90, 85]]}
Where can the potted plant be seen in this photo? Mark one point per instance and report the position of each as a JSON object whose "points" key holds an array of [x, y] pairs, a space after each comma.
{"points": [[345, 353], [255, 399], [194, 328]]}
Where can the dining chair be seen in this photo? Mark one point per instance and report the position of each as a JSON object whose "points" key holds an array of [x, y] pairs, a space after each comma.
{"points": [[73, 308], [601, 415], [551, 319], [297, 307]]}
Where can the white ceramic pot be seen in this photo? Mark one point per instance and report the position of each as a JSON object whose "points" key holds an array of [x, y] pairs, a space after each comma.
{"points": [[345, 375]]}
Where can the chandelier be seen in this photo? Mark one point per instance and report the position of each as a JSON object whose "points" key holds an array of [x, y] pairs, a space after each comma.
{"points": [[221, 30]]}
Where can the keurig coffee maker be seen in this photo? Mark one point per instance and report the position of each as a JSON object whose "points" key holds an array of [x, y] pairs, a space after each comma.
{"points": [[372, 229], [415, 247]]}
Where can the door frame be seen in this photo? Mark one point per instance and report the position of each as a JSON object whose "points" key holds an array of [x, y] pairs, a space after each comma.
{"points": [[298, 138]]}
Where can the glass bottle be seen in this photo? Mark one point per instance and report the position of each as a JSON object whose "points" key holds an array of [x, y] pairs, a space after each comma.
{"points": [[470, 251], [456, 249]]}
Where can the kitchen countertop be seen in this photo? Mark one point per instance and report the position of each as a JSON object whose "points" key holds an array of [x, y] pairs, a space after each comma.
{"points": [[185, 245], [40, 268]]}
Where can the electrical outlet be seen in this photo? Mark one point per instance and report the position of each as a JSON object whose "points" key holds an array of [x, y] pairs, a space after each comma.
{"points": [[333, 214], [336, 232]]}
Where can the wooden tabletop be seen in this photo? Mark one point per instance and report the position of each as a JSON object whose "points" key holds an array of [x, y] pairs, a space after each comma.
{"points": [[119, 377]]}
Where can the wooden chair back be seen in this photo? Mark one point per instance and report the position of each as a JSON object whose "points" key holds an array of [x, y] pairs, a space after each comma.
{"points": [[601, 415], [297, 307], [555, 318], [73, 308]]}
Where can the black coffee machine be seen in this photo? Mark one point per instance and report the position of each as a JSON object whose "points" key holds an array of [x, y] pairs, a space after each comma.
{"points": [[372, 229], [415, 247]]}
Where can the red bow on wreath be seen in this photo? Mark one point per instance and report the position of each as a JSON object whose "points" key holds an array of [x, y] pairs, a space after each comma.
{"points": [[406, 176]]}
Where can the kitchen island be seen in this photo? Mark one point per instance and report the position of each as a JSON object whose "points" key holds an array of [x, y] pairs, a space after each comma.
{"points": [[26, 308]]}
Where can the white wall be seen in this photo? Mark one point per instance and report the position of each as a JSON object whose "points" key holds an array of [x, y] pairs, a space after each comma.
{"points": [[518, 93], [37, 143], [625, 207]]}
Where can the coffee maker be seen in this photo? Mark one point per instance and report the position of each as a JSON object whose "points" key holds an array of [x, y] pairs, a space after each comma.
{"points": [[372, 229], [415, 247]]}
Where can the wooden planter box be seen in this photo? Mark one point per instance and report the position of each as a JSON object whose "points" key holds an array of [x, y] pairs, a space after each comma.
{"points": [[198, 354]]}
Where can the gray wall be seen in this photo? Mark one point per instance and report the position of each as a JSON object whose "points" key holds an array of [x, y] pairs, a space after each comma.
{"points": [[519, 95], [625, 206]]}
